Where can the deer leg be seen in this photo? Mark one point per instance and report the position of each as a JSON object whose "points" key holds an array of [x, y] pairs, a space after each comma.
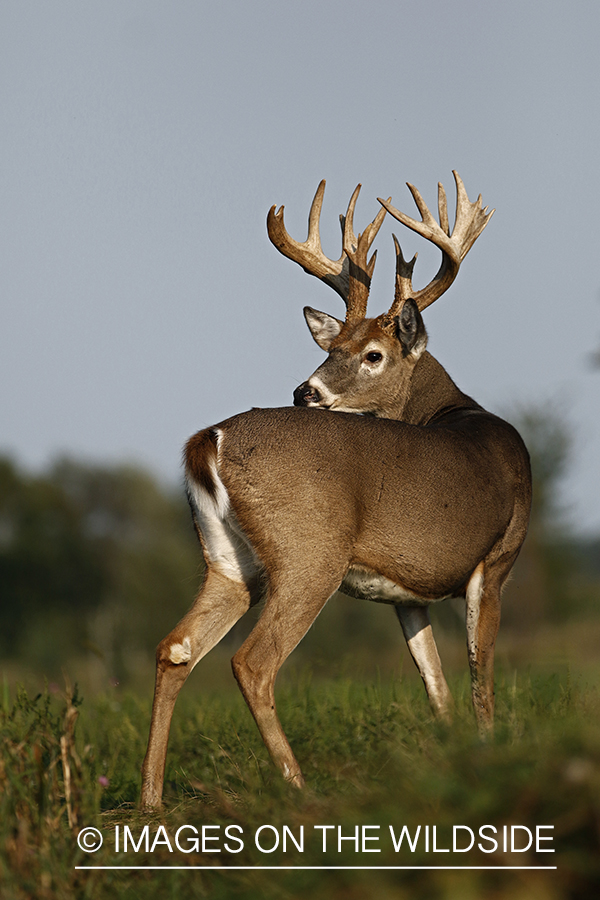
{"points": [[218, 606], [483, 621], [286, 618], [421, 644]]}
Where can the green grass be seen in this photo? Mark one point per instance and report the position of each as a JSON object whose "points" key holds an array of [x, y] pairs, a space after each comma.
{"points": [[372, 756]]}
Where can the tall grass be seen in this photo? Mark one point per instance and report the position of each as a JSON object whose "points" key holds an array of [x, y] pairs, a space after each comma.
{"points": [[372, 756]]}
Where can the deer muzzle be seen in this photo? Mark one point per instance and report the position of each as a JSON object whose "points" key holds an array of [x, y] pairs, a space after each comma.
{"points": [[306, 395]]}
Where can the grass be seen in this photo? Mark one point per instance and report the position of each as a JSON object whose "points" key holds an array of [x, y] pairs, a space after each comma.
{"points": [[372, 756]]}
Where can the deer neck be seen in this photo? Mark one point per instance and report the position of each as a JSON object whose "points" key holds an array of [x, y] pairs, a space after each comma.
{"points": [[432, 392]]}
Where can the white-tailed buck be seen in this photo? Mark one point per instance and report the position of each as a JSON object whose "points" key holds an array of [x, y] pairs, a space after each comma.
{"points": [[426, 496]]}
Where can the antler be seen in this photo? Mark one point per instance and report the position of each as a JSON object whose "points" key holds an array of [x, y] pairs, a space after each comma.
{"points": [[351, 274], [471, 219]]}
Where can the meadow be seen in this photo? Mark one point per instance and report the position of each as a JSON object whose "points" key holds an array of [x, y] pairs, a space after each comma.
{"points": [[373, 758]]}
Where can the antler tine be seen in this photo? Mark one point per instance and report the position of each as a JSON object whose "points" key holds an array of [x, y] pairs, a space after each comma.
{"points": [[404, 270], [351, 274], [349, 239], [470, 221], [443, 208], [471, 218]]}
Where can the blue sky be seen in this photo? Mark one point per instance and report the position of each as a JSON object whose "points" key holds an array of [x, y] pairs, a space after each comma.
{"points": [[144, 142]]}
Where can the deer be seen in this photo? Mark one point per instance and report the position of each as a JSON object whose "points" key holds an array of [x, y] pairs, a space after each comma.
{"points": [[384, 481]]}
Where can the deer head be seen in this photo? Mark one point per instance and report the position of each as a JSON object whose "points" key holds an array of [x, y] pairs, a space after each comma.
{"points": [[371, 361]]}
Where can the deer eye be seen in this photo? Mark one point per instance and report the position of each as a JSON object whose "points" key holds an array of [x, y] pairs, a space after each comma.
{"points": [[374, 356]]}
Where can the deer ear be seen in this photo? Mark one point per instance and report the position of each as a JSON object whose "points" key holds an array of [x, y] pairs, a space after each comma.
{"points": [[410, 329], [323, 328]]}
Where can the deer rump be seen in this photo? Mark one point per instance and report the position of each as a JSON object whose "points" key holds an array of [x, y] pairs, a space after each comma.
{"points": [[411, 528]]}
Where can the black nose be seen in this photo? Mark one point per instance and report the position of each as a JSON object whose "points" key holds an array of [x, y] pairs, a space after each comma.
{"points": [[305, 394]]}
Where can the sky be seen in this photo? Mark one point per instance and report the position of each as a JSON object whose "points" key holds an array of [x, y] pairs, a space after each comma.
{"points": [[144, 142]]}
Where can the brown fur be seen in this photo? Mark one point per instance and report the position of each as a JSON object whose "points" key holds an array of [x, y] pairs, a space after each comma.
{"points": [[200, 452]]}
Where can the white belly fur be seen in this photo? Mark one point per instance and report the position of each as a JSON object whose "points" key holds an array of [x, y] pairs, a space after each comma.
{"points": [[368, 585]]}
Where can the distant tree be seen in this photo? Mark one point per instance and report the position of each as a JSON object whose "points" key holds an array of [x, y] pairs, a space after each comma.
{"points": [[47, 566], [547, 577], [549, 445], [93, 560]]}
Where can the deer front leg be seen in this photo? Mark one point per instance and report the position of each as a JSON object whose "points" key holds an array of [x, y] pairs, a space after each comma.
{"points": [[421, 644], [218, 606]]}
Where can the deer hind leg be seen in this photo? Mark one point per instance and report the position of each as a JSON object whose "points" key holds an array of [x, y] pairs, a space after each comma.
{"points": [[421, 644], [483, 621], [218, 606], [286, 618]]}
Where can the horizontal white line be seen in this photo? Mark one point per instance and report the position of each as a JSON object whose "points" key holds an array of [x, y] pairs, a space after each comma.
{"points": [[326, 868]]}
